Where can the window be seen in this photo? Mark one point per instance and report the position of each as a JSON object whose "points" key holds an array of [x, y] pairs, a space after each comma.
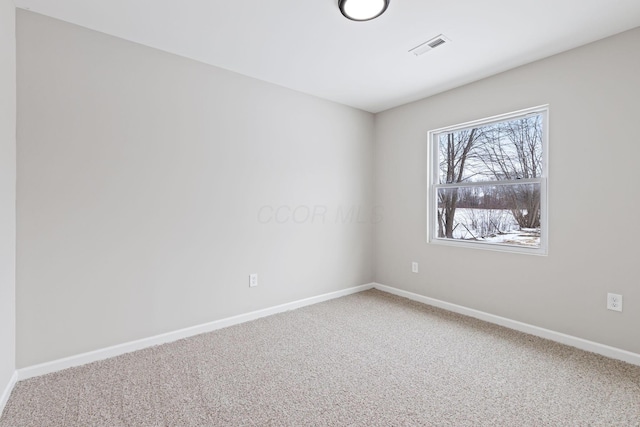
{"points": [[488, 183]]}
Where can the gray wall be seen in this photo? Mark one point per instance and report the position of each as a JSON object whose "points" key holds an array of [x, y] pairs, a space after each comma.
{"points": [[7, 191], [594, 98], [150, 186]]}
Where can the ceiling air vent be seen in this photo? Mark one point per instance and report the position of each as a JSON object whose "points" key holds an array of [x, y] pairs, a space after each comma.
{"points": [[429, 45]]}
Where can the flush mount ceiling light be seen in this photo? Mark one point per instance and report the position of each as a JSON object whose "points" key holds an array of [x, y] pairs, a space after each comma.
{"points": [[362, 10]]}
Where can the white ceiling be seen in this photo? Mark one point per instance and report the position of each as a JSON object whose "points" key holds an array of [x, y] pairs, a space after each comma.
{"points": [[307, 45]]}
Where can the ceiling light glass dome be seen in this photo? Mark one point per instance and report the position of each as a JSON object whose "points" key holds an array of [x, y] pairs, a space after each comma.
{"points": [[363, 10]]}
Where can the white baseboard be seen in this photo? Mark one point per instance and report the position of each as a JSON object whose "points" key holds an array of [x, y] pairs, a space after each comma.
{"points": [[594, 347], [105, 353], [7, 391]]}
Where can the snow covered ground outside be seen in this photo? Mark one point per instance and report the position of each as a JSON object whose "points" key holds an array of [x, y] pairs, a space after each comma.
{"points": [[493, 226]]}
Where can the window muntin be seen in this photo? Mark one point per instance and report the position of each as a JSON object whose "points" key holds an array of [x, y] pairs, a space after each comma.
{"points": [[488, 183]]}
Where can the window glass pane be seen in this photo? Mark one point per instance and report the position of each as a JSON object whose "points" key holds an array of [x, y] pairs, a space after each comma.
{"points": [[505, 150], [501, 214]]}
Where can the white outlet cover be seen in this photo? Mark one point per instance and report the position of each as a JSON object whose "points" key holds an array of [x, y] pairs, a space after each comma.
{"points": [[253, 280], [614, 302], [414, 267]]}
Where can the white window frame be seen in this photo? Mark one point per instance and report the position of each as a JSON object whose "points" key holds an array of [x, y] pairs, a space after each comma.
{"points": [[433, 184]]}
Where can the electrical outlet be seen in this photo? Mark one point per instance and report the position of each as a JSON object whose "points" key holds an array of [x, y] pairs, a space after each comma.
{"points": [[253, 280], [614, 302], [414, 267]]}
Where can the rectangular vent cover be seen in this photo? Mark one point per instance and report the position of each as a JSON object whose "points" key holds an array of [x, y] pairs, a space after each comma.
{"points": [[429, 45]]}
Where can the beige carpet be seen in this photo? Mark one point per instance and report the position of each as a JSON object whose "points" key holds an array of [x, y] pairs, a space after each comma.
{"points": [[369, 359]]}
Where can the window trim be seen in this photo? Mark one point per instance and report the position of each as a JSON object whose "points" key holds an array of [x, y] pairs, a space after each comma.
{"points": [[433, 184]]}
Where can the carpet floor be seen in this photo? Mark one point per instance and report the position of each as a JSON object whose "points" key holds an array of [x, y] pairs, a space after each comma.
{"points": [[368, 359]]}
